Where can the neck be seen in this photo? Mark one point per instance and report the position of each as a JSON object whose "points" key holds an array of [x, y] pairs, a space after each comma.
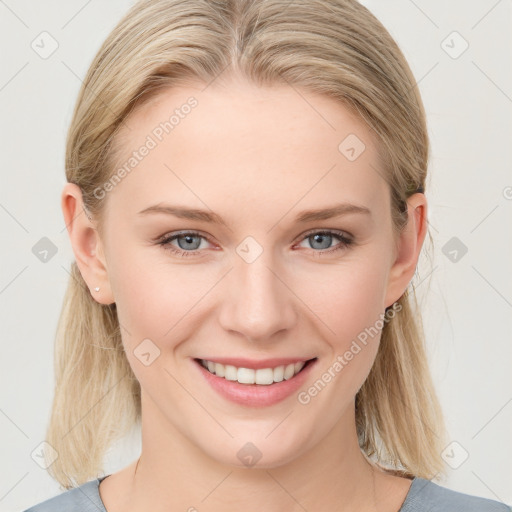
{"points": [[294, 487], [172, 473]]}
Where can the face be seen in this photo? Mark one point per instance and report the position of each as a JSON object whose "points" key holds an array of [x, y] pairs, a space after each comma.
{"points": [[257, 284]]}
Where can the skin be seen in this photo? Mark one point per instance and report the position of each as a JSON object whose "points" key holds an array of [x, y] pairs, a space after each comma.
{"points": [[257, 157]]}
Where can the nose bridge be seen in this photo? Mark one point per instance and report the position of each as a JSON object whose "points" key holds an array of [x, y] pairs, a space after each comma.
{"points": [[257, 303]]}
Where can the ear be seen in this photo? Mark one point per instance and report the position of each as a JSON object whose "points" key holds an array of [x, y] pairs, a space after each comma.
{"points": [[408, 248], [86, 244]]}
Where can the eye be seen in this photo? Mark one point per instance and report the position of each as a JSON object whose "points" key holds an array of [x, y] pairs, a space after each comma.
{"points": [[323, 240], [188, 243]]}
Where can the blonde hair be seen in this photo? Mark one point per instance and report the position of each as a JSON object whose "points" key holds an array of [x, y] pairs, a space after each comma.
{"points": [[336, 48]]}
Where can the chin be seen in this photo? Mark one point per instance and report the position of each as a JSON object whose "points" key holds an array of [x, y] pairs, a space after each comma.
{"points": [[258, 452]]}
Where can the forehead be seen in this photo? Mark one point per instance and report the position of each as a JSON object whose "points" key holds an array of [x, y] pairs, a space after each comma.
{"points": [[239, 142]]}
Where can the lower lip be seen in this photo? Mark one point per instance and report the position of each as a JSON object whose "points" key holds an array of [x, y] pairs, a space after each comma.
{"points": [[255, 395]]}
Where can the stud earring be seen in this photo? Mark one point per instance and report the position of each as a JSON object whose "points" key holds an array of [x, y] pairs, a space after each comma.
{"points": [[97, 289]]}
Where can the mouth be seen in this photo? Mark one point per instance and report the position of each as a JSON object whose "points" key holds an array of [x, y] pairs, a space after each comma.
{"points": [[255, 383], [265, 376]]}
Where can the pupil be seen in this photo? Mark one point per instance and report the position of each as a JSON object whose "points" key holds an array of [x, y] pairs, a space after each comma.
{"points": [[319, 237], [189, 239]]}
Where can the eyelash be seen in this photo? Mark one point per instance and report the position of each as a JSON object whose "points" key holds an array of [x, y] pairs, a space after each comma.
{"points": [[345, 242]]}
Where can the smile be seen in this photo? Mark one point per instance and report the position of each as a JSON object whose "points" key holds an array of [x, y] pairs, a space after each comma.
{"points": [[252, 383], [260, 376]]}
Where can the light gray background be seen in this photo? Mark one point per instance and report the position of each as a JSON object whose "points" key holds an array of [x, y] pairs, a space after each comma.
{"points": [[469, 303]]}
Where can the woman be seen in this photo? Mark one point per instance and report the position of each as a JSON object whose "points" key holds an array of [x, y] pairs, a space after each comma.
{"points": [[245, 202]]}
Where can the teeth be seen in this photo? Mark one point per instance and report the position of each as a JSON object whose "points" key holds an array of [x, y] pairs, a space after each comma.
{"points": [[246, 376], [219, 370], [262, 376], [289, 371], [230, 372], [278, 374]]}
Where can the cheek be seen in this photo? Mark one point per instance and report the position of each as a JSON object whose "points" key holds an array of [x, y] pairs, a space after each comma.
{"points": [[156, 299], [345, 299], [351, 304]]}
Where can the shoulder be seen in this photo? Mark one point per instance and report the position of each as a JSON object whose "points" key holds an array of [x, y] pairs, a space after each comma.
{"points": [[85, 498], [425, 495]]}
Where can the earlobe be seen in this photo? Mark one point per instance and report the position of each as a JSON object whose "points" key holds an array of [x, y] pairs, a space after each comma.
{"points": [[86, 244], [409, 247]]}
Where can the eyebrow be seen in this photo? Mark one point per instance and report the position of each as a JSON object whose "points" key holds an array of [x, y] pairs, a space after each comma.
{"points": [[207, 216]]}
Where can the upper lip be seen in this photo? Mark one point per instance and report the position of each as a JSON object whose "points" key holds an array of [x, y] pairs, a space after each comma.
{"points": [[240, 362]]}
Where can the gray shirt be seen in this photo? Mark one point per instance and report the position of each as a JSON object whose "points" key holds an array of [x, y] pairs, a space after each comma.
{"points": [[423, 496]]}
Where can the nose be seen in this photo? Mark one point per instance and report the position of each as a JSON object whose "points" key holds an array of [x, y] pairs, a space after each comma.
{"points": [[257, 303]]}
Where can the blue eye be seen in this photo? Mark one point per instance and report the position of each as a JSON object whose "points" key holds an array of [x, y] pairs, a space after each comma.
{"points": [[190, 241], [185, 241], [325, 238]]}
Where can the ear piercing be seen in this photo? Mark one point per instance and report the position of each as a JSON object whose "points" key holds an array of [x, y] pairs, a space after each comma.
{"points": [[97, 289]]}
